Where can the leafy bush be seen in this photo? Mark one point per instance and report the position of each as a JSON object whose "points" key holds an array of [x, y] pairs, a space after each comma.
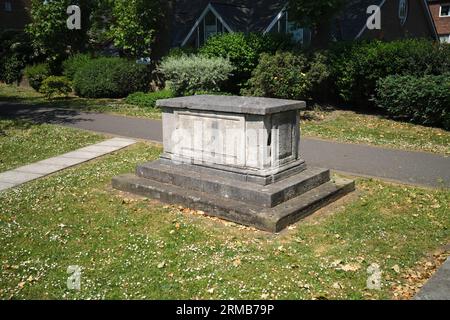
{"points": [[189, 74], [148, 100], [183, 51], [36, 74], [111, 78], [15, 53], [11, 69], [243, 50], [424, 100], [356, 67], [73, 64], [55, 86], [288, 76]]}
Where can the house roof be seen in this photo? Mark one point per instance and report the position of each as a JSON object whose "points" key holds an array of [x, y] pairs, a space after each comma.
{"points": [[240, 15]]}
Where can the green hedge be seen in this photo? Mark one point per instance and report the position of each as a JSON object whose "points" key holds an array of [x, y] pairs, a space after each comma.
{"points": [[148, 100], [244, 50], [36, 74], [424, 100], [187, 75], [356, 67], [288, 75], [55, 86], [111, 78], [74, 63]]}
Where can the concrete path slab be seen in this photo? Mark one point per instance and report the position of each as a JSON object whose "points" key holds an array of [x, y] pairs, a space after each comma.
{"points": [[40, 168], [18, 176], [83, 155], [5, 185], [61, 161], [438, 287], [418, 168]]}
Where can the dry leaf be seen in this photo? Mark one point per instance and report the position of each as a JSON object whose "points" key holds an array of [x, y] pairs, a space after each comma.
{"points": [[351, 267], [396, 268]]}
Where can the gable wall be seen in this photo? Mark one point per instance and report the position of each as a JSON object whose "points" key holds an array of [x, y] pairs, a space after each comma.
{"points": [[416, 26]]}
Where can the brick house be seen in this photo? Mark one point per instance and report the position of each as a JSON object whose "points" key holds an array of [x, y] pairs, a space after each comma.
{"points": [[440, 11], [14, 14], [196, 20]]}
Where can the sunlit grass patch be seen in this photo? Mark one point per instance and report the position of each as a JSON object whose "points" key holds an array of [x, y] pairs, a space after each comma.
{"points": [[131, 247]]}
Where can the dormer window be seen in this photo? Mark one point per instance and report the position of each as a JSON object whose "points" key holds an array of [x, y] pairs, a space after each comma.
{"points": [[8, 6], [403, 11], [445, 10]]}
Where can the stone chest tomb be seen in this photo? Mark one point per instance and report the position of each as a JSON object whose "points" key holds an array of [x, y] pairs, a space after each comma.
{"points": [[237, 158]]}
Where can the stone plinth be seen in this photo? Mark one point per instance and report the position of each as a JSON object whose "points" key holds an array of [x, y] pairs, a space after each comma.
{"points": [[254, 138], [237, 158]]}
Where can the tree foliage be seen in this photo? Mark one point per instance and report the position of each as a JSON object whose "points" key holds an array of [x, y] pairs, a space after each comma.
{"points": [[316, 15], [48, 30], [134, 26], [313, 13]]}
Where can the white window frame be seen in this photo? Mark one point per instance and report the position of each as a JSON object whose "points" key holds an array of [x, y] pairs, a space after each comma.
{"points": [[8, 6], [403, 19], [440, 10], [443, 36]]}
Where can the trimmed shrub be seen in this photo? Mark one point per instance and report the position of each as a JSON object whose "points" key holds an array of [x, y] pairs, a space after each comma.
{"points": [[73, 64], [111, 78], [36, 74], [356, 67], [244, 50], [288, 76], [148, 100], [187, 75], [424, 100], [55, 86]]}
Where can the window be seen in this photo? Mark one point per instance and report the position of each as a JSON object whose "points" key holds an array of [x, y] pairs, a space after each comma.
{"points": [[8, 6], [210, 25], [283, 25], [445, 38], [403, 11], [445, 10]]}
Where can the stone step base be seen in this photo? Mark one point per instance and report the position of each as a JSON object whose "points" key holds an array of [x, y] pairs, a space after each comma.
{"points": [[269, 219], [266, 196]]}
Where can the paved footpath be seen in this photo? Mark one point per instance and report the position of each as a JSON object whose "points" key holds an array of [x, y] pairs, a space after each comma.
{"points": [[438, 287], [16, 177], [402, 166]]}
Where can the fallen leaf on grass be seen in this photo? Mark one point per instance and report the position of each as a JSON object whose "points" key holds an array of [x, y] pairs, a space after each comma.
{"points": [[351, 267]]}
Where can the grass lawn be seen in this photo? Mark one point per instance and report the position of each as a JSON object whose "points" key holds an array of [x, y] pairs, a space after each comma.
{"points": [[23, 143], [348, 126], [343, 126], [12, 93], [137, 248]]}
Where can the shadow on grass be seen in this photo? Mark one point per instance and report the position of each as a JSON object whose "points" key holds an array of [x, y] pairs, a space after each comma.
{"points": [[38, 110]]}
